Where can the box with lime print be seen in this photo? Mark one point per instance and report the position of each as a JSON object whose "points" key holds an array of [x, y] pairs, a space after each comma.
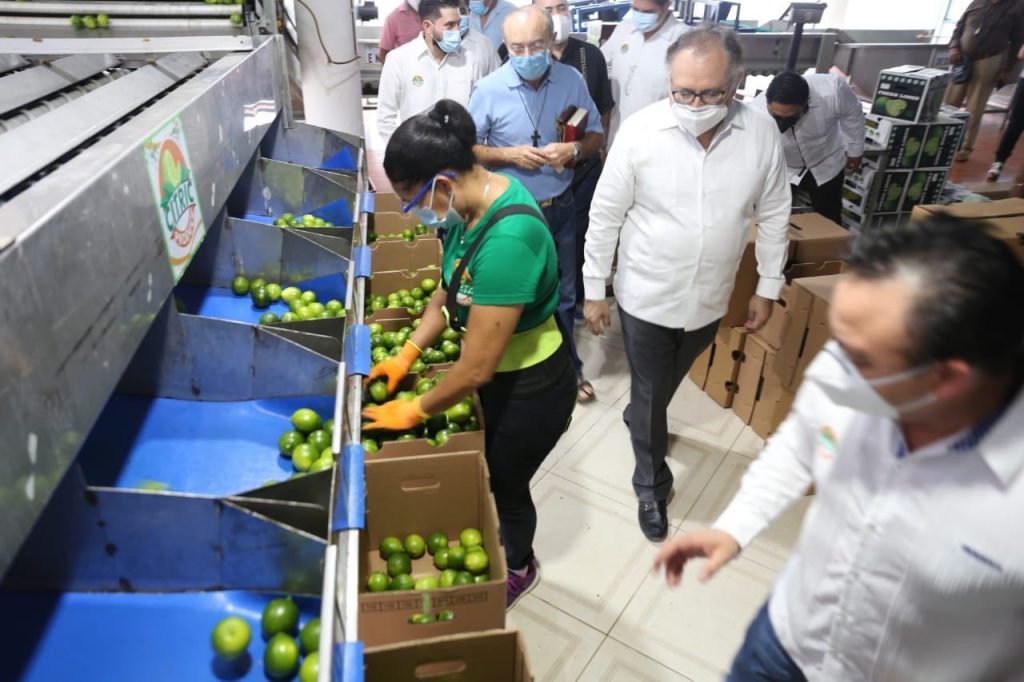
{"points": [[431, 562], [910, 93], [941, 143], [924, 187]]}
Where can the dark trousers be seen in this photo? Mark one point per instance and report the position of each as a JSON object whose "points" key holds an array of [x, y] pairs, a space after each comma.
{"points": [[561, 217], [827, 199], [762, 657], [1014, 126], [659, 358], [519, 435], [583, 186]]}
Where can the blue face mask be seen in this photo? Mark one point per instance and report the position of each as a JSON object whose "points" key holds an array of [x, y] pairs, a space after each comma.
{"points": [[478, 7], [531, 67], [450, 41], [463, 26], [426, 214], [645, 21]]}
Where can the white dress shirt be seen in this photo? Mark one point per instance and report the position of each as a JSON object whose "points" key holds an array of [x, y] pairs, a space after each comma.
{"points": [[831, 130], [682, 215], [637, 67], [412, 81], [909, 567]]}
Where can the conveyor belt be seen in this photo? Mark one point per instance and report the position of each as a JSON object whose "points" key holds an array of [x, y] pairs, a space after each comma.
{"points": [[23, 87]]}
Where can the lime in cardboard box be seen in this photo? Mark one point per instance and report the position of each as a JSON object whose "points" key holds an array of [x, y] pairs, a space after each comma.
{"points": [[491, 656], [917, 145], [890, 194], [942, 142], [924, 187], [1005, 218], [910, 93], [421, 495]]}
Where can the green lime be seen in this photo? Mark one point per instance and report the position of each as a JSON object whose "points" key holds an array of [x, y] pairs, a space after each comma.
{"points": [[274, 291], [315, 309], [427, 582], [463, 578], [288, 440], [306, 420], [459, 413], [303, 456], [258, 283], [295, 305], [415, 546], [279, 615], [319, 439], [420, 618], [305, 313], [333, 305], [482, 578], [370, 446], [309, 636], [290, 317], [88, 21], [405, 395], [321, 464], [281, 657], [307, 297], [240, 286], [435, 541], [289, 294], [417, 367], [375, 328], [457, 558], [442, 436], [230, 637], [389, 546], [378, 391], [447, 577], [236, 19], [428, 285], [477, 562], [470, 537], [441, 558], [399, 563], [310, 668], [329, 426], [76, 21], [309, 220], [102, 20], [436, 357], [446, 615], [260, 297], [378, 582], [269, 318], [402, 581]]}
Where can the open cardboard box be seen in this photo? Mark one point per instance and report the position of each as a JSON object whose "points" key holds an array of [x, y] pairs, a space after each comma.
{"points": [[1005, 216], [384, 283], [457, 442], [391, 223], [446, 493], [397, 323], [386, 202], [725, 364], [491, 656], [397, 254]]}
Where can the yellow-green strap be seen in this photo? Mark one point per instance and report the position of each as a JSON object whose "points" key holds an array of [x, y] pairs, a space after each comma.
{"points": [[532, 346]]}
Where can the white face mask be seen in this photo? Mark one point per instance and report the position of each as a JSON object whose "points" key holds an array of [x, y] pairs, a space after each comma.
{"points": [[563, 27], [845, 386], [698, 120]]}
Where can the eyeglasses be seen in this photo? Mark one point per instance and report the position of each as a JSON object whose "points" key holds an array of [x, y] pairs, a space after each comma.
{"points": [[427, 186], [519, 50], [712, 97]]}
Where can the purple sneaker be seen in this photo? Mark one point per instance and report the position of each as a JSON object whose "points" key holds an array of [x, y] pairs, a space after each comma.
{"points": [[519, 586]]}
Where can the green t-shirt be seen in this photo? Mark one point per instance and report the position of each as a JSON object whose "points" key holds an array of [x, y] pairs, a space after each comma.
{"points": [[515, 264]]}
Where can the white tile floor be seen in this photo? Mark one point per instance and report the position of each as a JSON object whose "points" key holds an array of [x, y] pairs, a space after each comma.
{"points": [[598, 613]]}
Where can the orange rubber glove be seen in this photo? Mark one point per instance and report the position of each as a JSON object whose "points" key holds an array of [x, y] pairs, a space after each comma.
{"points": [[395, 368], [395, 415]]}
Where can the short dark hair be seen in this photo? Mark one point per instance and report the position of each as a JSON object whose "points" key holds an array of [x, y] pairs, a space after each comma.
{"points": [[788, 88], [442, 138], [703, 38], [430, 10], [970, 290]]}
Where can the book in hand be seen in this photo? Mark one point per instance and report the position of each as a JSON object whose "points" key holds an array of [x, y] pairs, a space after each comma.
{"points": [[571, 126]]}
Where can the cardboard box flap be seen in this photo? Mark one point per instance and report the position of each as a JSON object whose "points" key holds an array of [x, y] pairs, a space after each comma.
{"points": [[1003, 208], [490, 656], [820, 287], [398, 254]]}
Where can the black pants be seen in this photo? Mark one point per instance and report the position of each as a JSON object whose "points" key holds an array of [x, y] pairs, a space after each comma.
{"points": [[827, 199], [583, 186], [659, 357], [1014, 126], [521, 432]]}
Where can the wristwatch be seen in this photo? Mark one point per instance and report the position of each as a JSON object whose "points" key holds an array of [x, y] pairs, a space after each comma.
{"points": [[577, 151]]}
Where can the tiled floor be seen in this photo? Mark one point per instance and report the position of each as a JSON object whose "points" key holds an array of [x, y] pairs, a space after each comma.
{"points": [[598, 612]]}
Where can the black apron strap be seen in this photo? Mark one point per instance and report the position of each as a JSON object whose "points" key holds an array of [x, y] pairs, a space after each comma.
{"points": [[452, 286]]}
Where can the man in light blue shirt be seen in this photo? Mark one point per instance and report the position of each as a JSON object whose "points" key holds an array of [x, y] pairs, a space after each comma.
{"points": [[515, 110], [488, 17]]}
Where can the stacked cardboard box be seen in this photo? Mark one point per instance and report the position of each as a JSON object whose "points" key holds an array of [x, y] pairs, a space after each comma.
{"points": [[758, 374], [1005, 217], [911, 146]]}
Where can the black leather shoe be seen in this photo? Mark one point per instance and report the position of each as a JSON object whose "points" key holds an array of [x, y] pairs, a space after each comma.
{"points": [[653, 520]]}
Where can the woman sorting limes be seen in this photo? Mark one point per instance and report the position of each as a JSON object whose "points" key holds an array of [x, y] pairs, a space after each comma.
{"points": [[500, 253]]}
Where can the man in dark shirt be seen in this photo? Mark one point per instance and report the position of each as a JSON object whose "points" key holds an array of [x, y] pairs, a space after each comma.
{"points": [[986, 38]]}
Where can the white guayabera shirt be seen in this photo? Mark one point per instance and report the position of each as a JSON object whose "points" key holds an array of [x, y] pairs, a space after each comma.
{"points": [[682, 215], [909, 566]]}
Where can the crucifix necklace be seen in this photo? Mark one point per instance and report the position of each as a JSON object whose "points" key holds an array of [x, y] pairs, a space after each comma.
{"points": [[536, 132]]}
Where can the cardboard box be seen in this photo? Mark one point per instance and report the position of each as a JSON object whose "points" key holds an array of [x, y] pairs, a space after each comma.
{"points": [[725, 364], [773, 403], [386, 202], [748, 378], [390, 223], [783, 316], [398, 254], [879, 220], [924, 187], [817, 239], [910, 93], [1006, 218], [810, 300], [942, 142], [384, 283], [491, 656], [877, 129], [420, 495], [851, 220], [699, 369], [905, 145], [746, 283], [893, 187]]}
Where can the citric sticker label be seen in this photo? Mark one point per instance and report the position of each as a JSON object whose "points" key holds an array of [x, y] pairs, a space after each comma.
{"points": [[175, 193]]}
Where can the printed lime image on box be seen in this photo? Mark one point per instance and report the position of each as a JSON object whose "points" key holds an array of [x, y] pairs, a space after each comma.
{"points": [[910, 93]]}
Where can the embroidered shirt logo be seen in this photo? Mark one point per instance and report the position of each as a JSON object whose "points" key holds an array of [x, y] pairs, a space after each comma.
{"points": [[417, 80], [464, 296], [625, 48], [828, 444]]}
